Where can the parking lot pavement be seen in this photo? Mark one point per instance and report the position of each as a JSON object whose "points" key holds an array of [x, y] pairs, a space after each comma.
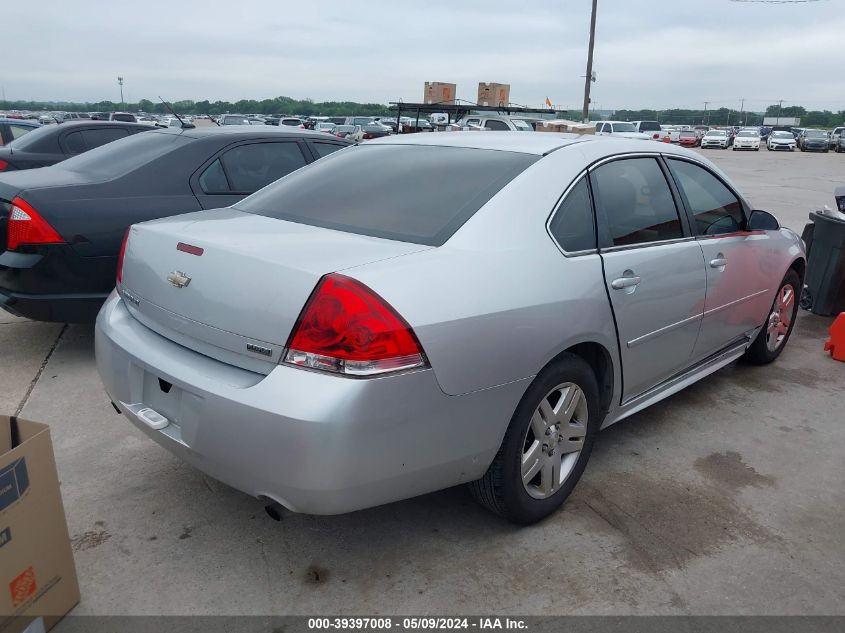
{"points": [[725, 498]]}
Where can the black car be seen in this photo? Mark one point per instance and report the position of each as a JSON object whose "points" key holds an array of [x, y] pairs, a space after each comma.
{"points": [[61, 227], [51, 144], [814, 141]]}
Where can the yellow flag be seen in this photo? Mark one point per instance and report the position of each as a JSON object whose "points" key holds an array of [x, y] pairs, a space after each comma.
{"points": [[548, 102]]}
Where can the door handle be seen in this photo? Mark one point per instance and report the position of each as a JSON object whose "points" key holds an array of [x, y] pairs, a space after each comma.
{"points": [[625, 282], [719, 262]]}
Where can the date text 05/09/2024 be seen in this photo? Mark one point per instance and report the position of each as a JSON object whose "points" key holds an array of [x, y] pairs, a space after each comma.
{"points": [[425, 623]]}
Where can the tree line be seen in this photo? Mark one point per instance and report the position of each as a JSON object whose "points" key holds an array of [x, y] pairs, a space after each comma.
{"points": [[307, 107]]}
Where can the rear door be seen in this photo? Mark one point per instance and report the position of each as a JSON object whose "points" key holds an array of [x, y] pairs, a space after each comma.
{"points": [[738, 279], [654, 270], [242, 169]]}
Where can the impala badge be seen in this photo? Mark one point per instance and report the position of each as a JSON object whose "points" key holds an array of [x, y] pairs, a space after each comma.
{"points": [[178, 279]]}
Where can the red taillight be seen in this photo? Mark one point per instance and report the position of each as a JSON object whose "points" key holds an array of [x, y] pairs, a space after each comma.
{"points": [[347, 328], [367, 135], [121, 255], [26, 226], [3, 165]]}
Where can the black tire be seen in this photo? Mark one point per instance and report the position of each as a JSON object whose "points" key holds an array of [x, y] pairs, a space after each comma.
{"points": [[501, 489], [758, 352]]}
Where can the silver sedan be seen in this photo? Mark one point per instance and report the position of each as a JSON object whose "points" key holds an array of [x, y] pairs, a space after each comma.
{"points": [[452, 308]]}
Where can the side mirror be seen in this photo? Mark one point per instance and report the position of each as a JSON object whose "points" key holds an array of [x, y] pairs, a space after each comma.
{"points": [[762, 221]]}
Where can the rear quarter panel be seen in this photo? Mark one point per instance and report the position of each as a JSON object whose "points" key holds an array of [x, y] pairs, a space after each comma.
{"points": [[499, 300]]}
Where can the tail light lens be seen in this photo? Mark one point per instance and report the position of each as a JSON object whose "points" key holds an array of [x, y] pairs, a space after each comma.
{"points": [[3, 165], [26, 226], [346, 328], [367, 135], [655, 135], [121, 255]]}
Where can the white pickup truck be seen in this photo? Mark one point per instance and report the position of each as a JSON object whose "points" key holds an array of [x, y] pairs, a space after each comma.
{"points": [[652, 128], [619, 128]]}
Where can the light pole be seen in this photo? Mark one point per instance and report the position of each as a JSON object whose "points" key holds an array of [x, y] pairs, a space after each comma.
{"points": [[120, 83], [590, 76], [780, 105]]}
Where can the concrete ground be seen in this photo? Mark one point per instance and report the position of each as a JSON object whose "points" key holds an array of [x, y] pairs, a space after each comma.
{"points": [[726, 498]]}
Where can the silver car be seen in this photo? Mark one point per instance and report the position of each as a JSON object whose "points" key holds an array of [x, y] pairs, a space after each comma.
{"points": [[450, 308]]}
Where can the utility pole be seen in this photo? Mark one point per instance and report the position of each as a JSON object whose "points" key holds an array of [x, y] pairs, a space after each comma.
{"points": [[120, 82], [706, 114], [742, 111], [780, 105], [589, 79]]}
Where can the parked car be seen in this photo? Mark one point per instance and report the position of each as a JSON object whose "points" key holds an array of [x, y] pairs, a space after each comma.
{"points": [[840, 144], [715, 138], [348, 131], [358, 298], [50, 144], [373, 130], [358, 120], [233, 119], [126, 117], [747, 139], [814, 141], [325, 127], [11, 129], [498, 123], [780, 140], [652, 128], [834, 136], [689, 138], [291, 122], [621, 129], [62, 225]]}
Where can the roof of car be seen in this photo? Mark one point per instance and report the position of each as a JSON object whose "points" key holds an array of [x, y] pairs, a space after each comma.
{"points": [[24, 122], [526, 142]]}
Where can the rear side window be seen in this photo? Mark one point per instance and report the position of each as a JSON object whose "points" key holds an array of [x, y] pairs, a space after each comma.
{"points": [[95, 138], [636, 202], [410, 193], [716, 209], [572, 224], [251, 167], [324, 149], [74, 143], [213, 179]]}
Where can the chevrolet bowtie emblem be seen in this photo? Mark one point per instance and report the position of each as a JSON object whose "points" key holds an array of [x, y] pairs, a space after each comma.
{"points": [[178, 279]]}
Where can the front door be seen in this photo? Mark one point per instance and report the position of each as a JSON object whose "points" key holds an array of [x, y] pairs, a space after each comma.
{"points": [[654, 271], [739, 287]]}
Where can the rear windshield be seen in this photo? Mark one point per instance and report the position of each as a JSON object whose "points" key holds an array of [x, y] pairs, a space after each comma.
{"points": [[410, 193], [649, 126], [121, 156], [29, 141]]}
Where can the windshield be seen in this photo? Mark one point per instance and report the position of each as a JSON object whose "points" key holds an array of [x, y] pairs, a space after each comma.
{"points": [[815, 134], [748, 134], [624, 127], [715, 133], [687, 133], [783, 135], [374, 192], [121, 156]]}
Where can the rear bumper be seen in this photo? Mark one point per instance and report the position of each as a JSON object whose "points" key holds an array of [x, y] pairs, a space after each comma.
{"points": [[314, 442], [55, 308]]}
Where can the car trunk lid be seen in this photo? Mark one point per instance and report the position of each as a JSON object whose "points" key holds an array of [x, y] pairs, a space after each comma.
{"points": [[230, 284]]}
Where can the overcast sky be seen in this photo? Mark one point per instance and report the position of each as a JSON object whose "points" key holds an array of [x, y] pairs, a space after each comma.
{"points": [[655, 53]]}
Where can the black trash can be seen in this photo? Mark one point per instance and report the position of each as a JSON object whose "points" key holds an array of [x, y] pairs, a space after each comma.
{"points": [[825, 279]]}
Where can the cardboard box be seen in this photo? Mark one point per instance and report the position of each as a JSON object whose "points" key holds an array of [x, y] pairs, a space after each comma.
{"points": [[493, 94], [37, 574], [439, 92], [562, 125]]}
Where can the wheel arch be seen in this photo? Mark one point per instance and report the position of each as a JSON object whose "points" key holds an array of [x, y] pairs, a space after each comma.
{"points": [[799, 265], [600, 360]]}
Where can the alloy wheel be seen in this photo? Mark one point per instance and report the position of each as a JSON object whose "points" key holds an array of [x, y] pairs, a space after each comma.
{"points": [[554, 440], [780, 318]]}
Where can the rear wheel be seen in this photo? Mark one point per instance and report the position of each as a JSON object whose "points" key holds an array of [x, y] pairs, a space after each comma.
{"points": [[775, 332], [547, 444]]}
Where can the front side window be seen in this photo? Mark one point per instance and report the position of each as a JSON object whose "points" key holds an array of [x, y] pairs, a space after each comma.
{"points": [[572, 225], [251, 167], [324, 149], [636, 202], [716, 209], [74, 143]]}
